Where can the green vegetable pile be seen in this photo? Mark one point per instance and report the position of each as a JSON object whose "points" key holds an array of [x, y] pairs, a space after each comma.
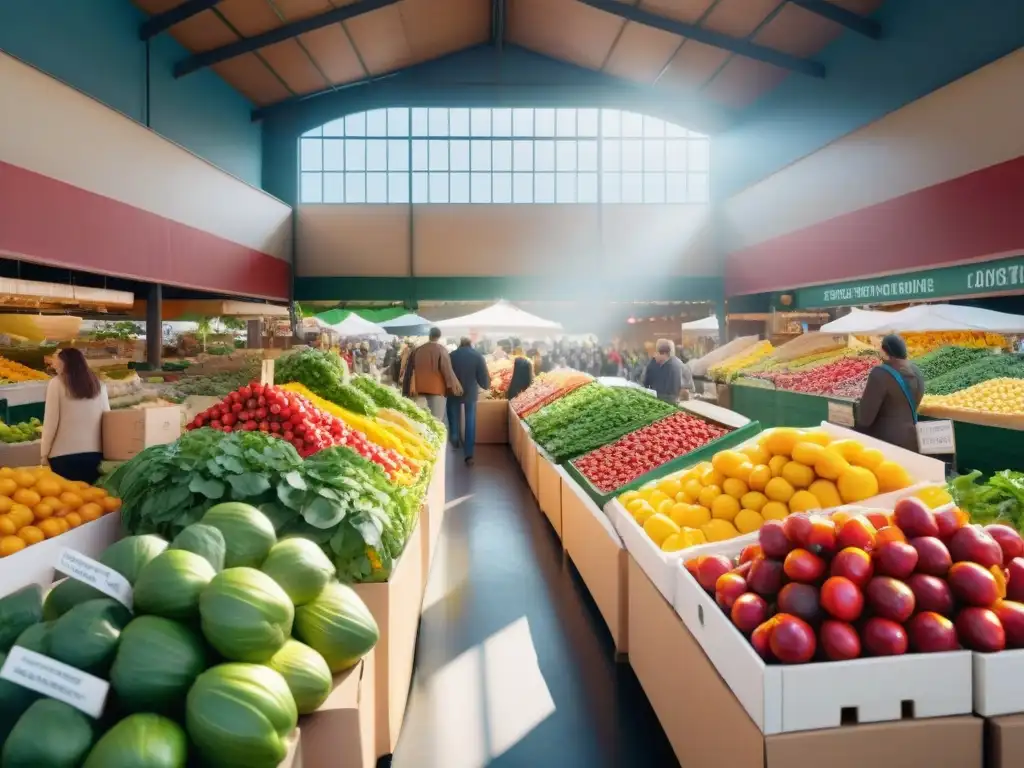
{"points": [[231, 636], [219, 385], [24, 432], [1008, 366], [947, 359], [600, 420], [324, 374], [386, 397], [559, 414], [336, 498], [998, 499]]}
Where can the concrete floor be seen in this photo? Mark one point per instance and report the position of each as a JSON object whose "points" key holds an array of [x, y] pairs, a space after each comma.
{"points": [[514, 664]]}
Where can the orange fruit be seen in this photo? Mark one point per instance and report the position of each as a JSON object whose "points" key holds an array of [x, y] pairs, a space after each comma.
{"points": [[6, 472], [27, 497], [71, 499], [30, 534], [24, 478], [81, 485], [48, 487], [10, 544], [7, 486], [21, 515], [50, 528], [73, 519], [5, 504], [110, 504], [94, 494], [91, 511], [43, 511], [7, 526]]}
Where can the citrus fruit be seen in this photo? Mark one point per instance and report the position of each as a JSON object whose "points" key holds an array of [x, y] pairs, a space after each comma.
{"points": [[797, 474], [708, 494], [725, 507], [27, 497], [675, 542], [759, 477], [748, 521], [5, 504], [91, 511], [780, 442], [734, 487], [42, 510], [712, 477], [692, 489], [30, 534], [640, 515], [830, 465], [71, 499], [816, 436], [93, 494], [21, 515], [693, 516], [695, 537], [110, 504], [756, 454], [10, 544], [753, 500], [719, 530], [776, 464], [848, 449], [804, 501], [50, 528], [24, 478], [779, 489], [634, 505], [826, 493], [857, 484], [891, 477], [934, 496], [6, 472], [7, 526], [807, 453], [8, 487], [774, 510], [73, 519], [627, 497], [869, 457], [48, 487], [659, 527]]}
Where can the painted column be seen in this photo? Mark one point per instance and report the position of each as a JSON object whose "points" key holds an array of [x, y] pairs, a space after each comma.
{"points": [[154, 328]]}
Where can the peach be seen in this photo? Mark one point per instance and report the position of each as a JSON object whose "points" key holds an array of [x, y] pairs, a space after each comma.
{"points": [[761, 638], [792, 640], [930, 632], [796, 528], [821, 538], [878, 519], [1008, 539], [710, 568], [914, 518], [931, 594], [800, 600], [890, 598], [773, 539], [803, 566], [950, 519], [895, 558], [972, 544], [853, 564], [841, 598], [889, 533], [765, 577], [729, 587], [1015, 587], [980, 630], [839, 640], [748, 611], [1011, 616], [856, 532], [749, 552], [972, 584], [883, 637], [933, 557]]}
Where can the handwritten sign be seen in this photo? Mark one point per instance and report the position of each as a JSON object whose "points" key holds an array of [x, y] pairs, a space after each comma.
{"points": [[936, 437], [841, 414], [55, 679], [95, 574]]}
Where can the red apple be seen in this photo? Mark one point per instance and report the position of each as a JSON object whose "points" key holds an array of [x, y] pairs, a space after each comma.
{"points": [[857, 532], [748, 611], [1015, 587], [883, 637], [765, 577], [1008, 539], [710, 568], [821, 538], [890, 598], [972, 544], [853, 564], [774, 542], [980, 630], [761, 639], [950, 519], [800, 565], [1011, 616], [930, 632], [895, 558], [749, 552], [914, 518], [839, 641], [800, 600], [729, 587], [796, 528], [792, 640], [933, 557], [842, 598], [972, 584], [931, 594]]}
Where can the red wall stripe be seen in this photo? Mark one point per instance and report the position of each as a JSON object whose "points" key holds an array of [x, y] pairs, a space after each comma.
{"points": [[50, 222], [977, 216]]}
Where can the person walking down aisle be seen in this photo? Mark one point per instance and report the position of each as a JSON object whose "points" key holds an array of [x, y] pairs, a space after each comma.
{"points": [[667, 375], [429, 375], [471, 371], [522, 377], [888, 407], [72, 421]]}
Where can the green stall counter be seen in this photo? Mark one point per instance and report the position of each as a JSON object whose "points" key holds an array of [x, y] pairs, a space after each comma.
{"points": [[778, 408]]}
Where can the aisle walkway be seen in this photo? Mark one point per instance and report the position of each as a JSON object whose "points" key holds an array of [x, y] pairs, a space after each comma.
{"points": [[514, 666]]}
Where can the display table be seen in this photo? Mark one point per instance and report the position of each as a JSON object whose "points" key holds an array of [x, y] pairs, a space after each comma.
{"points": [[24, 401], [550, 478], [491, 422], [340, 734], [777, 407]]}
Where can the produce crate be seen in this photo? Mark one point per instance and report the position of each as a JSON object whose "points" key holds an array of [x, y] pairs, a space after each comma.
{"points": [[340, 733], [777, 407], [491, 422], [997, 689], [550, 480], [985, 448], [531, 452], [432, 510]]}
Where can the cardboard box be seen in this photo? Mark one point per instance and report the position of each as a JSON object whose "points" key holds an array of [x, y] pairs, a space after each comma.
{"points": [[127, 432], [709, 728], [491, 422], [997, 683], [21, 454], [395, 605], [549, 490], [432, 512], [513, 431], [340, 734], [530, 462], [1004, 742], [598, 554]]}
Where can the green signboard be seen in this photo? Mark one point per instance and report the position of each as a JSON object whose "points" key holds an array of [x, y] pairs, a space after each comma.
{"points": [[1002, 276]]}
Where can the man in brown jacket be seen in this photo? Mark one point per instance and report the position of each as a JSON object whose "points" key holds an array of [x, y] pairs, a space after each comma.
{"points": [[429, 375]]}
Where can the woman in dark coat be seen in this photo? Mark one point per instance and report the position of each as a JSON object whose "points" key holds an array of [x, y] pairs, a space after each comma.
{"points": [[522, 376], [888, 407]]}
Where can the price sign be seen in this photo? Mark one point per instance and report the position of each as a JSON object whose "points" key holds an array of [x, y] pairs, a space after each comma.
{"points": [[55, 679], [841, 414], [936, 437], [95, 574]]}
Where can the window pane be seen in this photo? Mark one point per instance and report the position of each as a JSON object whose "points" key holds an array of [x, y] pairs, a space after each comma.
{"points": [[654, 187], [676, 188], [398, 188], [334, 155], [610, 122], [459, 188], [544, 188], [522, 187], [419, 155], [698, 191], [398, 122], [355, 155], [611, 187], [502, 155], [315, 132], [565, 187], [420, 123], [459, 155], [377, 123], [334, 188], [376, 187], [398, 155], [586, 122], [611, 151], [502, 122], [632, 124], [481, 192], [673, 130], [565, 156], [311, 155], [565, 122], [438, 127], [311, 188], [355, 125], [653, 127], [438, 160], [420, 192], [481, 155], [675, 155], [439, 187], [544, 155], [632, 187], [654, 155], [699, 151], [522, 156], [335, 127], [481, 122], [502, 188], [587, 188], [587, 155], [459, 123], [355, 187], [376, 155], [544, 122], [632, 155], [522, 122]]}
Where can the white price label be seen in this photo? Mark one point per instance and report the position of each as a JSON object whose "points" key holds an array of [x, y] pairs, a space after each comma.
{"points": [[936, 437], [841, 414], [55, 679], [95, 574]]}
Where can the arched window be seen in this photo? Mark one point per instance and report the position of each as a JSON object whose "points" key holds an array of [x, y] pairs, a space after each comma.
{"points": [[461, 155]]}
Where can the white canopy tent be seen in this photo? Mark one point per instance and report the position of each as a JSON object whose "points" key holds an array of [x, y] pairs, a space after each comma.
{"points": [[947, 317], [407, 325], [858, 321], [707, 326], [355, 326], [501, 317]]}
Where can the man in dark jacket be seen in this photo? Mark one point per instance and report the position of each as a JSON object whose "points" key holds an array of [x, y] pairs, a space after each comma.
{"points": [[888, 407], [471, 371], [667, 375]]}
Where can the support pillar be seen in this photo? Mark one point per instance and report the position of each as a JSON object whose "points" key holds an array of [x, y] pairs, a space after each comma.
{"points": [[254, 334], [154, 326]]}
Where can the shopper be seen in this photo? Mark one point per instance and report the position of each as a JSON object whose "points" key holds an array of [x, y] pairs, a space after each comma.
{"points": [[522, 376], [72, 422], [888, 407], [429, 375], [471, 371], [666, 374]]}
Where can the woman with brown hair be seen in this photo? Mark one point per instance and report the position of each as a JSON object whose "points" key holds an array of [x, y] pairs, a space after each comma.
{"points": [[75, 403]]}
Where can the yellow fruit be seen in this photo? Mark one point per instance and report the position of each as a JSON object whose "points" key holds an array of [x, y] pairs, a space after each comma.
{"points": [[734, 487], [675, 542], [27, 497], [110, 504], [71, 499], [50, 528], [93, 494], [779, 489], [723, 461], [677, 512], [42, 510], [8, 487], [725, 508], [774, 510], [934, 496], [708, 495], [807, 453], [830, 464], [635, 505], [748, 521], [753, 500], [719, 530], [654, 498], [798, 475], [7, 526], [759, 477], [776, 464], [857, 484], [627, 497], [6, 472], [712, 477], [5, 505], [663, 508], [804, 501], [21, 515], [73, 519], [9, 545], [48, 487], [30, 534], [891, 477], [670, 486], [698, 469], [695, 537], [659, 527], [826, 493], [694, 516], [848, 449], [640, 515], [817, 436], [756, 454], [780, 442], [81, 485], [692, 489], [869, 458], [24, 478]]}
